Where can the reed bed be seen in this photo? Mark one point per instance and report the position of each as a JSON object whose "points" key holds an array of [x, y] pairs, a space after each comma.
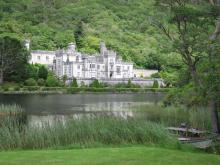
{"points": [[85, 131], [174, 116], [147, 128]]}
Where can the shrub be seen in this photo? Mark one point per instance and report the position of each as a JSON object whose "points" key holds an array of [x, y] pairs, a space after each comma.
{"points": [[155, 84], [121, 85], [74, 83], [31, 88], [156, 75], [95, 84], [16, 88], [129, 85], [52, 81], [41, 82], [42, 73], [5, 88], [30, 82]]}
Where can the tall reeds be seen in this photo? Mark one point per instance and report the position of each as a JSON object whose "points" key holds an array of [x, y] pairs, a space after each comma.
{"points": [[86, 131]]}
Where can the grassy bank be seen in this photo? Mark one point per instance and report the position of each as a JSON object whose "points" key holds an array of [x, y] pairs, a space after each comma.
{"points": [[108, 156], [71, 90]]}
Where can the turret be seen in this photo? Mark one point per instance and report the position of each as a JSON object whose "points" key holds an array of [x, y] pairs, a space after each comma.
{"points": [[71, 47], [27, 44], [103, 48]]}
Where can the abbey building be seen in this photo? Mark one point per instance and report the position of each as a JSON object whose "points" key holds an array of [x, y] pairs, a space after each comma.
{"points": [[107, 64]]}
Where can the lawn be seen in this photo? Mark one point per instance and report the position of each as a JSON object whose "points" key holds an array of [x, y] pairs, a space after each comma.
{"points": [[108, 156]]}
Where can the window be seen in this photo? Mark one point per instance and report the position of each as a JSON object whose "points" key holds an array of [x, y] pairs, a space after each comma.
{"points": [[92, 65], [128, 67], [47, 58], [77, 58], [38, 57], [98, 67], [111, 66], [78, 66], [118, 70]]}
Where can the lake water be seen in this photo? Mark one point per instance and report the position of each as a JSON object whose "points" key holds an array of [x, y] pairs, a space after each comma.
{"points": [[49, 108]]}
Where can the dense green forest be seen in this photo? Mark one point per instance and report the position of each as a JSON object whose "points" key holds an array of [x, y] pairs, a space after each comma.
{"points": [[124, 25]]}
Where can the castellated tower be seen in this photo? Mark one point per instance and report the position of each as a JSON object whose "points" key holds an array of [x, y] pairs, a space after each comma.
{"points": [[27, 44], [103, 48], [71, 49]]}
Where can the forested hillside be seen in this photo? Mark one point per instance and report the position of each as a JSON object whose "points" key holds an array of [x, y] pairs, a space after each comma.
{"points": [[124, 25]]}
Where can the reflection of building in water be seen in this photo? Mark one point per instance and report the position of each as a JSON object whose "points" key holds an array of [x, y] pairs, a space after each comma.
{"points": [[114, 106], [38, 121]]}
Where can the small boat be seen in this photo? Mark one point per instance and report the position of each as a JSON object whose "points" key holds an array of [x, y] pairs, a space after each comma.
{"points": [[201, 143], [197, 138]]}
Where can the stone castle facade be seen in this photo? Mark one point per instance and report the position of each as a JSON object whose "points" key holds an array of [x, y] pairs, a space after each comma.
{"points": [[105, 65]]}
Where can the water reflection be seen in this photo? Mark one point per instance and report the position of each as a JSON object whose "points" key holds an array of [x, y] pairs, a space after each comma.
{"points": [[52, 108], [35, 120]]}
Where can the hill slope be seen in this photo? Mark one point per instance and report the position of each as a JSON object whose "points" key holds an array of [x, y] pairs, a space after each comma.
{"points": [[122, 24]]}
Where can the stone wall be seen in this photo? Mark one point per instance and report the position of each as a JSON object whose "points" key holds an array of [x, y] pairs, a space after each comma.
{"points": [[141, 82]]}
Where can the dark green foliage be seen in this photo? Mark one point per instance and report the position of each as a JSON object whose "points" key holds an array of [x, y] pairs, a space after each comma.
{"points": [[129, 85], [52, 81], [155, 84], [42, 72], [74, 83], [53, 24], [13, 59], [95, 84], [41, 82], [30, 82], [156, 75], [31, 71]]}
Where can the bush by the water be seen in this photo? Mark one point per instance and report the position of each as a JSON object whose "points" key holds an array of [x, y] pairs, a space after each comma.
{"points": [[30, 82], [41, 82], [52, 81], [155, 84], [74, 83]]}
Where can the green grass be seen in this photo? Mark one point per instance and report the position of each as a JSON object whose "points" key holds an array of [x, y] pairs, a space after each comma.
{"points": [[108, 156]]}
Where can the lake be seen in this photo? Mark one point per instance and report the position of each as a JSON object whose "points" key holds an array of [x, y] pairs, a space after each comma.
{"points": [[49, 108]]}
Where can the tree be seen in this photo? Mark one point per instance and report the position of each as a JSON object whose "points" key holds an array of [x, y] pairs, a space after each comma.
{"points": [[95, 84], [43, 72], [31, 71], [192, 22], [13, 59], [74, 83], [64, 79], [52, 81], [155, 84]]}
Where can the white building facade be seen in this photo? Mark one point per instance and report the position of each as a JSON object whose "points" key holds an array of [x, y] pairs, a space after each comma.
{"points": [[73, 64]]}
